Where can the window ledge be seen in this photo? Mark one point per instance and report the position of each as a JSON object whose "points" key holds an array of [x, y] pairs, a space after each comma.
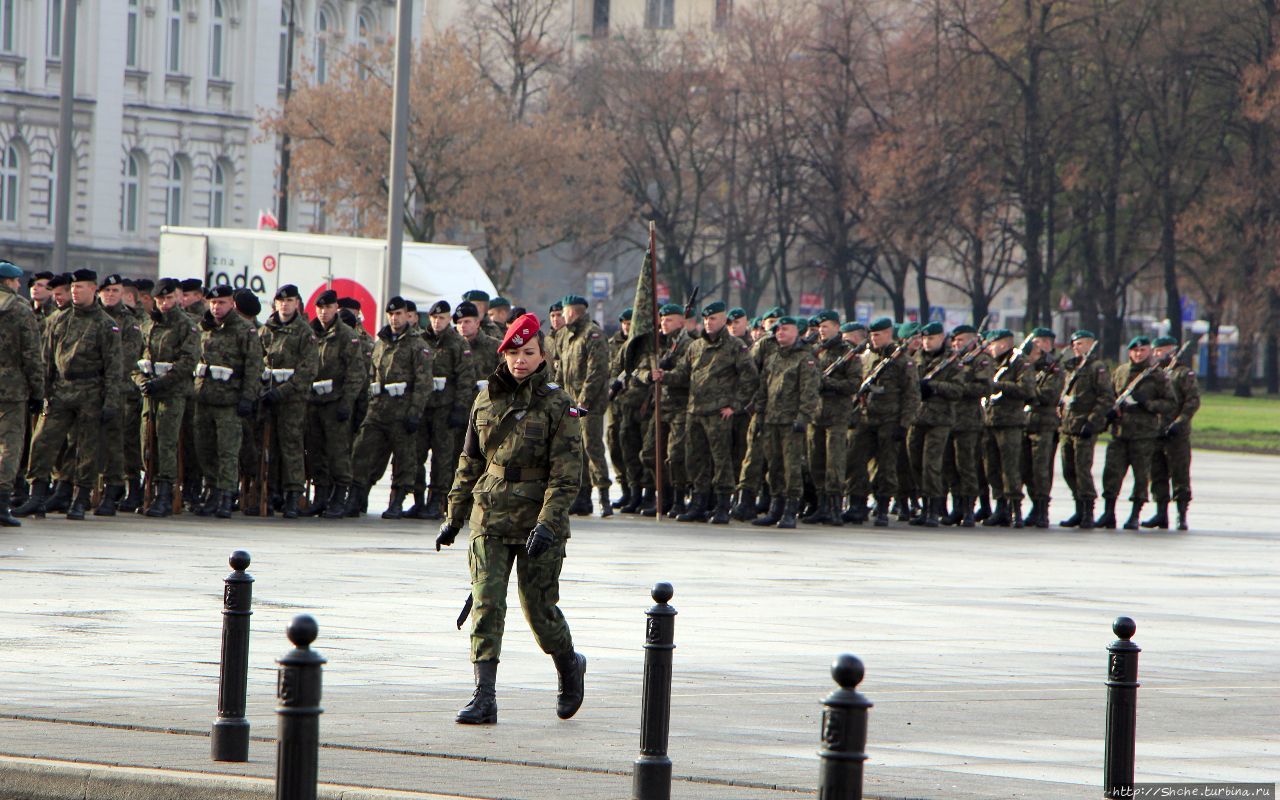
{"points": [[12, 58], [136, 74], [180, 80], [220, 83]]}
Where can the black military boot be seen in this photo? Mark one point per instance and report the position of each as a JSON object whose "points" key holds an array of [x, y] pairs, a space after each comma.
{"points": [[1042, 519], [434, 509], [60, 500], [695, 511], [193, 499], [721, 515], [764, 501], [834, 517], [320, 502], [161, 500], [953, 516], [984, 508], [1000, 516], [34, 505], [967, 520], [395, 508], [290, 508], [415, 510], [1108, 519], [856, 513], [744, 510], [933, 508], [606, 507], [774, 514], [882, 511], [624, 499], [1086, 515], [21, 491], [1182, 514], [676, 504], [208, 501], [901, 509], [79, 502], [225, 501], [1033, 513], [581, 506], [637, 500], [337, 507], [571, 668], [649, 503], [821, 512], [789, 509], [668, 498], [357, 501], [483, 708], [1135, 513], [1073, 520], [110, 501], [7, 520], [1161, 518], [1015, 512], [133, 499]]}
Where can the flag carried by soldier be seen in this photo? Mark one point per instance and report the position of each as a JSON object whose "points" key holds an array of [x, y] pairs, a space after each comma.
{"points": [[643, 339]]}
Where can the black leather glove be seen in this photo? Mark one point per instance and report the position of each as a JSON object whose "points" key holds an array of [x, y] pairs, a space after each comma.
{"points": [[1086, 431], [272, 395], [615, 389], [343, 412], [899, 433], [107, 414], [448, 532], [540, 539], [798, 427], [1174, 429], [926, 389], [35, 406], [148, 387], [411, 424], [244, 408], [667, 362], [457, 418], [1112, 415]]}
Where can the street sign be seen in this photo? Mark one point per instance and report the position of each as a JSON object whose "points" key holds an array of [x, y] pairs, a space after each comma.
{"points": [[601, 285]]}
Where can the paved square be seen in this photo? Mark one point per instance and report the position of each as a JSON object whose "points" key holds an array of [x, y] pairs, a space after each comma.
{"points": [[984, 648]]}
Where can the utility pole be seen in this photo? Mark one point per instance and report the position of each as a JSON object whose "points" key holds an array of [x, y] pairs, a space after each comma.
{"points": [[283, 218], [66, 137], [731, 218], [399, 144]]}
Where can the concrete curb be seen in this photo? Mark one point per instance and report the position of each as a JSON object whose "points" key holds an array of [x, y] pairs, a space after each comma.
{"points": [[42, 779]]}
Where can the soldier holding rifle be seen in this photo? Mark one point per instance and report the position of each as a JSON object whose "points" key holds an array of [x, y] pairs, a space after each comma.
{"points": [[1171, 462]]}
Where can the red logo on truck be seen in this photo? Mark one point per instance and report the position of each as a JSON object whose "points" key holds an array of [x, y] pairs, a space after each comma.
{"points": [[345, 287]]}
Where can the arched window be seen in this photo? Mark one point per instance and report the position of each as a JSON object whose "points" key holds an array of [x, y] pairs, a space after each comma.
{"points": [[131, 193], [364, 30], [217, 32], [133, 37], [8, 18], [10, 183], [55, 29], [322, 45], [173, 39], [175, 192], [218, 195]]}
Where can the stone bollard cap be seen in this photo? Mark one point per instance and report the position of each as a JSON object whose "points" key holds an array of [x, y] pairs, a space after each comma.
{"points": [[303, 630], [662, 592], [239, 560], [1124, 627], [847, 670]]}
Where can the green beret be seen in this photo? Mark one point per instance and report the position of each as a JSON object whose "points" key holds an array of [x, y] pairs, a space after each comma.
{"points": [[1043, 332], [814, 320], [579, 300], [932, 329], [828, 316], [776, 311], [755, 322], [667, 309], [556, 306], [737, 312], [850, 327], [998, 334], [908, 329], [1082, 334], [788, 321], [963, 329], [8, 270], [499, 302], [476, 295], [626, 314], [882, 324], [1139, 341], [1165, 341], [714, 307]]}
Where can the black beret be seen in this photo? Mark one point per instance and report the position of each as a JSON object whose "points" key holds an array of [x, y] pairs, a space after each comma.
{"points": [[409, 305], [882, 324], [556, 306], [395, 304], [349, 303], [518, 311], [220, 291], [191, 285], [84, 275], [327, 298], [247, 303], [287, 291], [60, 280], [128, 282], [963, 329], [349, 317], [931, 329], [146, 285], [111, 280], [499, 302], [465, 309], [440, 307], [165, 286], [476, 295], [40, 276]]}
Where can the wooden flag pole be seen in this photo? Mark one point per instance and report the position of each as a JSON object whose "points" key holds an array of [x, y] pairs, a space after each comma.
{"points": [[659, 445]]}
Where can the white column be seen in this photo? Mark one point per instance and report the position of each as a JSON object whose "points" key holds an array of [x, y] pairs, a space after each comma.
{"points": [[102, 45]]}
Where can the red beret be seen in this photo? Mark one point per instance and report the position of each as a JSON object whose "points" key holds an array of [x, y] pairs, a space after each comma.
{"points": [[520, 332]]}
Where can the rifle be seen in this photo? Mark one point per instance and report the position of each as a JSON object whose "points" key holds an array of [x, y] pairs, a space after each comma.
{"points": [[870, 380], [691, 305], [1075, 376], [968, 358], [1173, 362], [1118, 405], [1000, 373], [962, 355], [264, 468], [849, 355]]}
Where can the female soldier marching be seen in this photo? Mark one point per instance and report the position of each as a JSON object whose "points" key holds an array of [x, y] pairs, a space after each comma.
{"points": [[517, 476]]}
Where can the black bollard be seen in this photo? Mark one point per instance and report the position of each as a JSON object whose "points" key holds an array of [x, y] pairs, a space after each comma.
{"points": [[298, 692], [844, 733], [652, 777], [1122, 710], [230, 739]]}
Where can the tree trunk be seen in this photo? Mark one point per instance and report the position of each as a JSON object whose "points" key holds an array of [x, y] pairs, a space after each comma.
{"points": [[1246, 351], [1169, 255], [1211, 382], [922, 284]]}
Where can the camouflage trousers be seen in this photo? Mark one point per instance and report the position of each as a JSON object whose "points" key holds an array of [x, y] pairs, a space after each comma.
{"points": [[328, 443], [927, 447], [538, 579], [828, 450], [288, 450], [1077, 466], [78, 428], [218, 435], [755, 464], [961, 465], [163, 452], [1171, 463], [13, 436], [594, 464], [1123, 455], [709, 452], [626, 439], [381, 436], [875, 442], [121, 456], [1002, 454], [907, 483], [443, 443], [741, 434], [674, 434], [1038, 449], [786, 454]]}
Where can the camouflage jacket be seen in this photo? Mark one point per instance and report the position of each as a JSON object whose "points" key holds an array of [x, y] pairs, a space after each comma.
{"points": [[1087, 396], [339, 358], [582, 364], [719, 373], [1012, 385], [290, 345], [492, 329], [400, 358], [1152, 397], [788, 389], [1042, 406], [168, 338], [196, 311], [894, 397], [675, 384], [233, 344], [975, 383], [82, 357], [21, 359], [130, 344], [938, 409], [521, 459], [1186, 400], [452, 363], [836, 391]]}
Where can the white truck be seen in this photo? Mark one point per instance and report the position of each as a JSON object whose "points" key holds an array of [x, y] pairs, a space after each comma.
{"points": [[263, 261]]}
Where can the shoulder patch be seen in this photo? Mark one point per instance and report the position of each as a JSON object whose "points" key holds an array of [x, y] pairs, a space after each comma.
{"points": [[595, 334], [552, 386], [574, 412], [812, 363], [115, 328]]}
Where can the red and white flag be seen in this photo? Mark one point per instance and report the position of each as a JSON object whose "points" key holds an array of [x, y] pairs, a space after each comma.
{"points": [[267, 221]]}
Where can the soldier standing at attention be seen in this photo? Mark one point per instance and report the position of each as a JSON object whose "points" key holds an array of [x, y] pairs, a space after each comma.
{"points": [[453, 386], [1143, 394], [340, 378], [398, 390], [195, 306], [291, 354], [625, 432], [480, 299], [518, 474], [466, 320], [499, 313], [740, 327], [719, 373], [170, 346], [673, 341], [120, 464], [963, 461], [1087, 397], [941, 384], [193, 301], [583, 371], [1172, 459], [41, 295], [21, 382], [1005, 417], [840, 373], [1040, 444], [752, 481], [82, 383], [889, 400]]}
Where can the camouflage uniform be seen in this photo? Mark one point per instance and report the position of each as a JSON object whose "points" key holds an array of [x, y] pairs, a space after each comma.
{"points": [[397, 358], [290, 346], [172, 342], [341, 371], [829, 436], [674, 406], [1134, 432], [1171, 462], [1040, 443], [21, 380], [491, 329], [234, 345], [928, 435], [787, 399], [752, 473], [583, 369], [885, 413], [1005, 417], [626, 429], [962, 465], [1087, 396], [121, 460], [520, 467], [446, 409]]}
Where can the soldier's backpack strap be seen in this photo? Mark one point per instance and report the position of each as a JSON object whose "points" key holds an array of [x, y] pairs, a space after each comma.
{"points": [[500, 433]]}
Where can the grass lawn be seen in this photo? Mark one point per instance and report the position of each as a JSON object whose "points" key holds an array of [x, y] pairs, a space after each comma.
{"points": [[1246, 424]]}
